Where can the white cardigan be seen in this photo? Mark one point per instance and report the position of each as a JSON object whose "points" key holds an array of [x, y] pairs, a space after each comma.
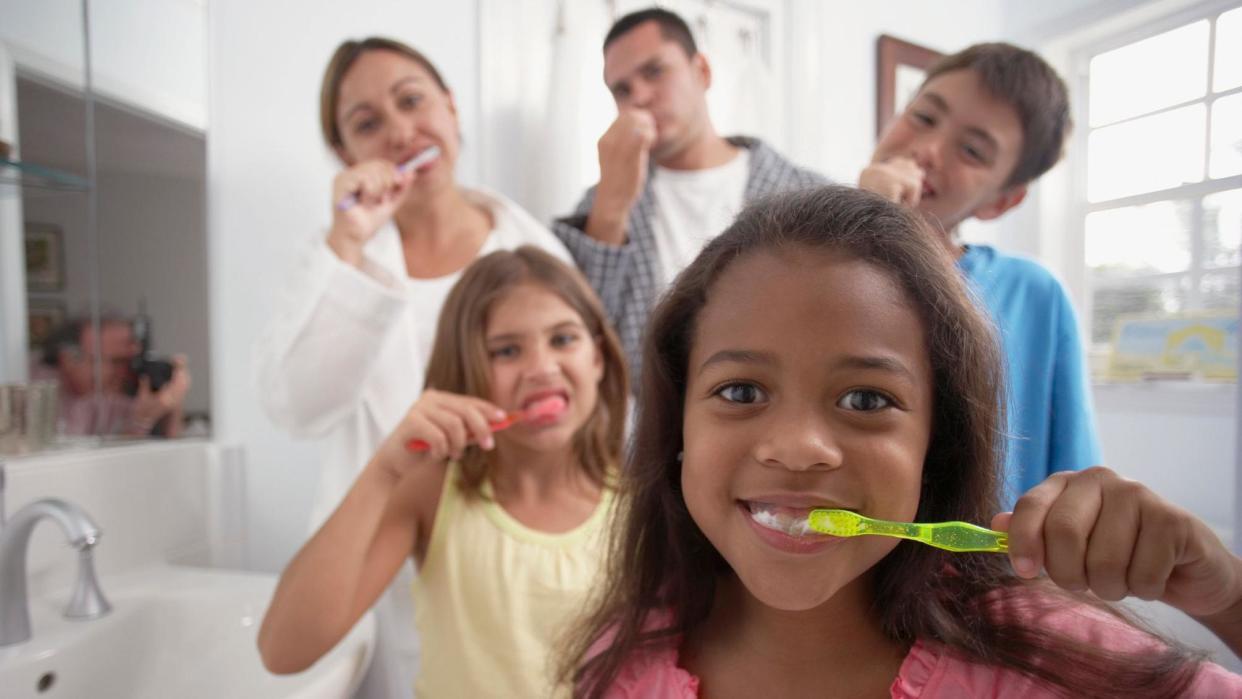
{"points": [[345, 355]]}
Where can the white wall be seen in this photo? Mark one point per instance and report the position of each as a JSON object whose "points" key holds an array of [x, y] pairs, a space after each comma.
{"points": [[269, 192], [1178, 440], [146, 52], [13, 338]]}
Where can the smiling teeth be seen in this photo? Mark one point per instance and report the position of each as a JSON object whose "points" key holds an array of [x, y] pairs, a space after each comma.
{"points": [[779, 521]]}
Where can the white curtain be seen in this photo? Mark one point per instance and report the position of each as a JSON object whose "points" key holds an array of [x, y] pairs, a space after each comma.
{"points": [[578, 109], [743, 97], [543, 100], [544, 104]]}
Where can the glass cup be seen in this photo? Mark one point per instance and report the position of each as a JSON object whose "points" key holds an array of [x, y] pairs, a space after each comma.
{"points": [[28, 416]]}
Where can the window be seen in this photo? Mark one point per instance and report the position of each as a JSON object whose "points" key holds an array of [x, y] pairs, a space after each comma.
{"points": [[1163, 208]]}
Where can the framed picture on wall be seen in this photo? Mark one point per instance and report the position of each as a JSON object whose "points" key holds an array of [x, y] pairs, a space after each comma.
{"points": [[44, 316], [900, 69], [45, 257]]}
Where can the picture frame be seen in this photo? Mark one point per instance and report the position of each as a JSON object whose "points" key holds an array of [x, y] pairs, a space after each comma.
{"points": [[43, 317], [45, 257], [901, 67], [1191, 346]]}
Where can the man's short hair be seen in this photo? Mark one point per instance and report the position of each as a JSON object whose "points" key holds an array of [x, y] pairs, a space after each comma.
{"points": [[672, 28], [68, 335], [1026, 82]]}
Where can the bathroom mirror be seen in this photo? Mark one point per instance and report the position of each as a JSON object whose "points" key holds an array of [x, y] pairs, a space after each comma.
{"points": [[102, 208]]}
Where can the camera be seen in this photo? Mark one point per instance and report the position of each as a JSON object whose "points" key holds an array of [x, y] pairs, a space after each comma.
{"points": [[157, 371]]}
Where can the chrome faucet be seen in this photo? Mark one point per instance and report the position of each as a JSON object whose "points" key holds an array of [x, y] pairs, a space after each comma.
{"points": [[87, 602]]}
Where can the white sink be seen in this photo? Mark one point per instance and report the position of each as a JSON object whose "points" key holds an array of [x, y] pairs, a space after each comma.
{"points": [[173, 632]]}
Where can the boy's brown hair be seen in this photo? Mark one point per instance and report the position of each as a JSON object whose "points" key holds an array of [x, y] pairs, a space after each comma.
{"points": [[1026, 82], [459, 358]]}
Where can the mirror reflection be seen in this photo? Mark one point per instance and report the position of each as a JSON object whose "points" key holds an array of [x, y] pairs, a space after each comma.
{"points": [[115, 297]]}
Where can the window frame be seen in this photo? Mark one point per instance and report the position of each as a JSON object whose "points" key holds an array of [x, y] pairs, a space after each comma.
{"points": [[1078, 205]]}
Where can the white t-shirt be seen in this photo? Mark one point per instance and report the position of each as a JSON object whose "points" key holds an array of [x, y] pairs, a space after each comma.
{"points": [[694, 206]]}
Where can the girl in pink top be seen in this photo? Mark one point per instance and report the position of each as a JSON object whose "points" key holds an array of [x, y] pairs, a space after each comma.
{"points": [[823, 352]]}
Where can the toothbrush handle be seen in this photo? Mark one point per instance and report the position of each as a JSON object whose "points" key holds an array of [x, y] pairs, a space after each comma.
{"points": [[901, 530], [350, 201], [965, 537]]}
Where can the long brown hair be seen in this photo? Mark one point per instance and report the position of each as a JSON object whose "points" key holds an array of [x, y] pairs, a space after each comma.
{"points": [[342, 60], [459, 359], [661, 563]]}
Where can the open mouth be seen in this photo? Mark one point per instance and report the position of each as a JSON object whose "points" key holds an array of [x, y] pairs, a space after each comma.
{"points": [[791, 521], [421, 159], [545, 408], [538, 396]]}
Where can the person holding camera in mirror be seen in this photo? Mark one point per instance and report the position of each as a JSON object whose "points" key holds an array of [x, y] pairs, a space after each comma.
{"points": [[139, 395]]}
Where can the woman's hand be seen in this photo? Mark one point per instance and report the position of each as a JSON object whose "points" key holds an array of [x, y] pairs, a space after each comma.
{"points": [[1094, 530], [379, 188], [447, 422]]}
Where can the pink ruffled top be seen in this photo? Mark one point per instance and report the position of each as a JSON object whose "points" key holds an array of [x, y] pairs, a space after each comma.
{"points": [[930, 671]]}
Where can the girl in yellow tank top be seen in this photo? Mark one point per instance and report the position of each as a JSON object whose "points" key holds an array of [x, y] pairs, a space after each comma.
{"points": [[507, 528]]}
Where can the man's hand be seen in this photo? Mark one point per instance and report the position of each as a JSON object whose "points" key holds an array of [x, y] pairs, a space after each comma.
{"points": [[624, 151], [152, 406]]}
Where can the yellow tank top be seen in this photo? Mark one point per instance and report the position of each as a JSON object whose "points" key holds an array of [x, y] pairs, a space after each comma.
{"points": [[493, 598]]}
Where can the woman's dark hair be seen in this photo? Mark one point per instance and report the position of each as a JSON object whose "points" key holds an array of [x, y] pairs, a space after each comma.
{"points": [[342, 60], [662, 566]]}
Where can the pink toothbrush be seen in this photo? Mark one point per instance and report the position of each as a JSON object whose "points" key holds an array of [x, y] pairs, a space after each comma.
{"points": [[543, 409], [414, 163]]}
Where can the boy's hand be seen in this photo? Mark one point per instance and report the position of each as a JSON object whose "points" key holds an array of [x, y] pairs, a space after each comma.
{"points": [[1094, 530], [900, 180], [448, 422], [624, 150]]}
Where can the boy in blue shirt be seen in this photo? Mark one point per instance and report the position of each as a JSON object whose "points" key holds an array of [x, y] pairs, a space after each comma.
{"points": [[986, 123]]}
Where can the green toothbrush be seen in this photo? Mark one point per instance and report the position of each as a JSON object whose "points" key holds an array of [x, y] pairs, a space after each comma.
{"points": [[950, 536]]}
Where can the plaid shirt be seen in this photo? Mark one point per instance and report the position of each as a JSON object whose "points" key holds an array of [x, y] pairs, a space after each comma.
{"points": [[626, 277]]}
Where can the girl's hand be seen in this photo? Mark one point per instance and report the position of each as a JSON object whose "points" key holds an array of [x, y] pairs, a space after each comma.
{"points": [[448, 422], [379, 188], [1094, 530]]}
